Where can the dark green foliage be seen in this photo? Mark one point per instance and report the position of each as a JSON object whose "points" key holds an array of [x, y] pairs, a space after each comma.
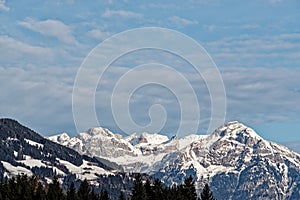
{"points": [[206, 194], [71, 194], [84, 190], [55, 192], [189, 189], [139, 191], [104, 195], [23, 187], [122, 196], [155, 190], [30, 188], [40, 193]]}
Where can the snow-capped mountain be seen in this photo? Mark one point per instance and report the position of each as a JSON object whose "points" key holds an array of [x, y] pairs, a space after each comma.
{"points": [[23, 151], [134, 153], [236, 161]]}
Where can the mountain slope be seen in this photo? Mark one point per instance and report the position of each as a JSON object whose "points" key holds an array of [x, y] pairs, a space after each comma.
{"points": [[237, 162], [23, 151], [134, 153]]}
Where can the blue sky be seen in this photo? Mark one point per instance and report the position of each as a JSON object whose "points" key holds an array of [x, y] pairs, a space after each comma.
{"points": [[255, 45]]}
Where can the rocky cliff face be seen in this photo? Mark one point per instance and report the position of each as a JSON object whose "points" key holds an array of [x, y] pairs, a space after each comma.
{"points": [[236, 161]]}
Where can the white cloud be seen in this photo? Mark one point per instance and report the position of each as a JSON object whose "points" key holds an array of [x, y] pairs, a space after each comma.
{"points": [[181, 22], [161, 5], [275, 1], [39, 97], [260, 95], [13, 50], [122, 13], [249, 26], [254, 96], [53, 28], [213, 27], [116, 1], [98, 34], [249, 51], [3, 6]]}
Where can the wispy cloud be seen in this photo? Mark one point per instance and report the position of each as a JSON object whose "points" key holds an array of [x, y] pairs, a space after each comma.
{"points": [[213, 27], [50, 27], [262, 95], [3, 6], [180, 22], [275, 1], [40, 97], [159, 6], [13, 50], [250, 51], [98, 34], [122, 13]]}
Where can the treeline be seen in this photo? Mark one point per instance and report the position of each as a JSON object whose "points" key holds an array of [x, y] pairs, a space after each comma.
{"points": [[157, 191], [23, 187]]}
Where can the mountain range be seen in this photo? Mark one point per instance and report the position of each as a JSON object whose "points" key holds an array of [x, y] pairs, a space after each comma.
{"points": [[23, 151], [234, 160]]}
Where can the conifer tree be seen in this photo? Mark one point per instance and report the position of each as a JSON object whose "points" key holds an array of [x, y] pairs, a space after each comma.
{"points": [[178, 192], [71, 194], [157, 190], [189, 189], [84, 190], [94, 196], [104, 195], [40, 193], [139, 192], [122, 196], [206, 194], [149, 190], [55, 191]]}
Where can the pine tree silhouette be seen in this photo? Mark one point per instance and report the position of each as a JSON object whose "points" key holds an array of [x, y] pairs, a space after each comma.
{"points": [[189, 189], [71, 194], [104, 195], [206, 194], [139, 191], [122, 196], [55, 191], [84, 190]]}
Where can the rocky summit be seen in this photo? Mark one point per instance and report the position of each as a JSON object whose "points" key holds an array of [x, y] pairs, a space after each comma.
{"points": [[235, 160]]}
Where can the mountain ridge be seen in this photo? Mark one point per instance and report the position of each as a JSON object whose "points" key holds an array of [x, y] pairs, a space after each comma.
{"points": [[233, 157], [23, 151]]}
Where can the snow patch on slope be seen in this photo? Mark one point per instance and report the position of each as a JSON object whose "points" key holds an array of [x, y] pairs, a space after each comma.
{"points": [[32, 143]]}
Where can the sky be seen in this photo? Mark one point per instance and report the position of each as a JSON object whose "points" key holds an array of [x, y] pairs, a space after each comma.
{"points": [[254, 45]]}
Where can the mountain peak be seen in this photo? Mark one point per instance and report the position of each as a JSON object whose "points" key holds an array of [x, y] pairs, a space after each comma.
{"points": [[60, 138], [99, 131], [235, 129], [10, 123]]}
